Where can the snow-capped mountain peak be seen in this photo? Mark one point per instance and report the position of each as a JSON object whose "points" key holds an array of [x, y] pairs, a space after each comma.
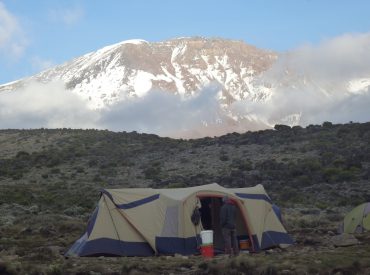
{"points": [[202, 86]]}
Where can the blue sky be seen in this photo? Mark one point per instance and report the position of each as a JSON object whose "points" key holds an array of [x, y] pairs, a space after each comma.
{"points": [[38, 34]]}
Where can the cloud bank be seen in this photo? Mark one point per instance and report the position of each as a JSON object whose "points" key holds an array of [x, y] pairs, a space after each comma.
{"points": [[52, 106], [165, 113], [44, 105]]}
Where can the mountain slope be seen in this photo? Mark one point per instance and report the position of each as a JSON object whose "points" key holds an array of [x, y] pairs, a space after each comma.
{"points": [[184, 66]]}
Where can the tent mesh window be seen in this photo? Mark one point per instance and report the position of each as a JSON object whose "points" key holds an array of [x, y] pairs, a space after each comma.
{"points": [[171, 225]]}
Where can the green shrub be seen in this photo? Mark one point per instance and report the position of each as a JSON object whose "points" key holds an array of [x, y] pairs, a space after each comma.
{"points": [[327, 124], [303, 180], [92, 163], [55, 171], [97, 178], [80, 169], [224, 157], [109, 172], [9, 268], [55, 269], [184, 160], [281, 127], [17, 175], [311, 164], [244, 165], [334, 174], [153, 171], [53, 160], [22, 154]]}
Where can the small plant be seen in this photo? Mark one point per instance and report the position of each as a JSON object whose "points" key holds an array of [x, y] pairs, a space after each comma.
{"points": [[281, 127], [55, 171], [203, 265], [224, 157], [80, 169], [153, 171], [22, 154], [55, 270]]}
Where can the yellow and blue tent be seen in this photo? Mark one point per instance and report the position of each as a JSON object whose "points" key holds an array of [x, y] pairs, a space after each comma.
{"points": [[146, 221]]}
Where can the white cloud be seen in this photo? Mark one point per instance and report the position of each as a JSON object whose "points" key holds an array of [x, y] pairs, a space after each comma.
{"points": [[44, 105], [166, 114], [68, 16], [344, 56], [12, 39], [52, 106], [312, 83]]}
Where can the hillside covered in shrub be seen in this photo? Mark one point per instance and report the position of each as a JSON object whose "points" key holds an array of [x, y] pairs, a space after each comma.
{"points": [[294, 164], [50, 181]]}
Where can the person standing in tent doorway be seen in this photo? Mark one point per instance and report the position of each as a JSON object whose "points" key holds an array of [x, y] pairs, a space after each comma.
{"points": [[228, 219]]}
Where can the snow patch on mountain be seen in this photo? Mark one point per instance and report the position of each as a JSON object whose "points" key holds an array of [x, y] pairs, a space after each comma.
{"points": [[360, 85], [143, 83]]}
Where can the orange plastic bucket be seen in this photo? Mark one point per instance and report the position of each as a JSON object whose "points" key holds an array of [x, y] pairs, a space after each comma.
{"points": [[244, 244], [207, 250]]}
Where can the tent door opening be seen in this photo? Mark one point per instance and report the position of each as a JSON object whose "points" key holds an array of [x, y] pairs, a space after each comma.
{"points": [[210, 218]]}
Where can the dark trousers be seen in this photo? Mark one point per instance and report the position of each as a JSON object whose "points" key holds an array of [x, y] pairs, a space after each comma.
{"points": [[230, 241]]}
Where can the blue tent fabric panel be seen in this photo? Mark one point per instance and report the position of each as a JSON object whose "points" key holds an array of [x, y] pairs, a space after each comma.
{"points": [[254, 196], [277, 211], [256, 244], [273, 238], [76, 248], [106, 246], [138, 202], [172, 245], [130, 204]]}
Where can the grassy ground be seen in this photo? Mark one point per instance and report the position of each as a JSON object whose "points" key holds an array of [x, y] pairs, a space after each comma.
{"points": [[33, 241], [294, 260], [50, 182]]}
